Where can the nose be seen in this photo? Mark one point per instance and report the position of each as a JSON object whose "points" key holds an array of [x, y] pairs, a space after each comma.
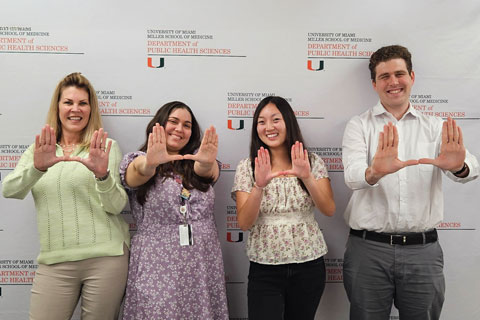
{"points": [[75, 107], [269, 125], [179, 127], [393, 80]]}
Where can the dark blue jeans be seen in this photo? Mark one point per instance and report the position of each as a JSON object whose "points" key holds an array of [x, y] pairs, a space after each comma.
{"points": [[287, 291]]}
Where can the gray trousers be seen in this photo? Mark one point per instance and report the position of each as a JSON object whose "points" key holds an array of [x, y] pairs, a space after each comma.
{"points": [[377, 274]]}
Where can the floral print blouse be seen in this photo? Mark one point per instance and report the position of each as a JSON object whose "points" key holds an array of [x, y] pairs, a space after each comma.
{"points": [[286, 230]]}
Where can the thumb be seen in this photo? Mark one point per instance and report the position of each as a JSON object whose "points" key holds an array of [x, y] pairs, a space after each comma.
{"points": [[178, 157], [188, 157], [427, 161]]}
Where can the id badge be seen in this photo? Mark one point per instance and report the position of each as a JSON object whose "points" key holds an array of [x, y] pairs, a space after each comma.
{"points": [[186, 236]]}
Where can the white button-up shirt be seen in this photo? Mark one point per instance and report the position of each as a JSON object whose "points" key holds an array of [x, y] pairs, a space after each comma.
{"points": [[409, 200]]}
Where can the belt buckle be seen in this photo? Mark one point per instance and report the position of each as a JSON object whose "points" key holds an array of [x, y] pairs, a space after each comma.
{"points": [[404, 238]]}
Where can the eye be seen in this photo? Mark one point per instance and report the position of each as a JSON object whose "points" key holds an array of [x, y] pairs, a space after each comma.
{"points": [[67, 102], [83, 103], [188, 126], [261, 122], [172, 121]]}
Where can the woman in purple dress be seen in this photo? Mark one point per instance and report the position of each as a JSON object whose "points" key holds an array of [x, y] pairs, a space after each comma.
{"points": [[176, 267]]}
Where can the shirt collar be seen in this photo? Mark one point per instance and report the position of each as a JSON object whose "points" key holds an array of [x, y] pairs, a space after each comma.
{"points": [[378, 109]]}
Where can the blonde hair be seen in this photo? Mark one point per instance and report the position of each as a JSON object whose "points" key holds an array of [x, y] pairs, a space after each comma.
{"points": [[76, 80]]}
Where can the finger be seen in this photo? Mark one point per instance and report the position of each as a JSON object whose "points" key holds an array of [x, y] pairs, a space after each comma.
{"points": [[292, 152], [410, 163], [53, 136], [297, 150], [190, 157], [48, 136], [205, 137], [395, 137], [449, 129], [208, 135], [426, 161], [380, 142], [215, 139], [99, 138], [444, 133], [104, 140], [460, 136], [281, 173], [385, 137], [390, 134], [176, 157], [150, 140], [305, 155], [42, 136], [37, 141], [260, 156], [163, 139], [267, 157], [159, 138], [302, 151], [108, 147], [455, 131], [93, 141]]}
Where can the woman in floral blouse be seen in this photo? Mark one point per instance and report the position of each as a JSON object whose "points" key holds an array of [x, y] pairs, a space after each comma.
{"points": [[276, 190]]}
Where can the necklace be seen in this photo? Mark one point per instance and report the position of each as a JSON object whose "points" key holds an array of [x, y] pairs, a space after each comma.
{"points": [[68, 147]]}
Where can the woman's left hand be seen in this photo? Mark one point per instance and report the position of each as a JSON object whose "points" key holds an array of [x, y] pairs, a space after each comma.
{"points": [[97, 160], [300, 163], [207, 153]]}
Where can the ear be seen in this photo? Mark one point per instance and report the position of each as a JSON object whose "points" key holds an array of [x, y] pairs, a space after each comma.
{"points": [[412, 75], [374, 85]]}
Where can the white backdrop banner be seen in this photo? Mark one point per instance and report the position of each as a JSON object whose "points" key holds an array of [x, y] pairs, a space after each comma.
{"points": [[221, 58]]}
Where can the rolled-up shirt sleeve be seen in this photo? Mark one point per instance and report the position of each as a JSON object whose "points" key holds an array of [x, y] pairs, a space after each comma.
{"points": [[355, 155]]}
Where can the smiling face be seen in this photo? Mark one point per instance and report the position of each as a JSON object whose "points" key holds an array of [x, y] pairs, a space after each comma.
{"points": [[393, 84], [73, 110], [178, 130], [271, 127]]}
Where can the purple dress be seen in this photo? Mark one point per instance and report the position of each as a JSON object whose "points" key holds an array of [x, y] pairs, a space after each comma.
{"points": [[166, 280]]}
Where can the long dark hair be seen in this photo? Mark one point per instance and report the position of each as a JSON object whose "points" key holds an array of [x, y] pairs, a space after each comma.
{"points": [[185, 167], [293, 133]]}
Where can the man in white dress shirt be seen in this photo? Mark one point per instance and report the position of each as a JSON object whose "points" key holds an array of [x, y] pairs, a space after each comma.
{"points": [[394, 157]]}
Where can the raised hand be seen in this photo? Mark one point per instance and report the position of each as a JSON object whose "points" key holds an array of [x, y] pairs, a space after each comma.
{"points": [[44, 153], [207, 153], [97, 160], [263, 168], [386, 159], [452, 151], [300, 163], [157, 148]]}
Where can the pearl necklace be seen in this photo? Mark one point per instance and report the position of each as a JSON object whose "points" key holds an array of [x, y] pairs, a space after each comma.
{"points": [[68, 147]]}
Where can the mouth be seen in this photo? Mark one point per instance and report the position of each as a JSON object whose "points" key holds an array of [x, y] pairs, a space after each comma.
{"points": [[176, 137], [272, 135], [74, 118], [395, 91]]}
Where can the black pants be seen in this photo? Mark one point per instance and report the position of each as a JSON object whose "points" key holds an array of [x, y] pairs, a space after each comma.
{"points": [[287, 291]]}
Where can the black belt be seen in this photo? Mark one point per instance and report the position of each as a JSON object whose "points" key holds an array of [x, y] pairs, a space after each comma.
{"points": [[401, 239]]}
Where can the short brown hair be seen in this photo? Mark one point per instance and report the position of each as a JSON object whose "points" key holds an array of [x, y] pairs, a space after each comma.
{"points": [[76, 80], [388, 53]]}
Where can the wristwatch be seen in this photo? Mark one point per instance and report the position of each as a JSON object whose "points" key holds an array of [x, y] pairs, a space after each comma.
{"points": [[104, 177]]}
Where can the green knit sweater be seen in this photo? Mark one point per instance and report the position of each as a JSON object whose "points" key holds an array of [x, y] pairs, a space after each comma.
{"points": [[78, 217]]}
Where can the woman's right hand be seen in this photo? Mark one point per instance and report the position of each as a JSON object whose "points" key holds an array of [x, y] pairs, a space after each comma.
{"points": [[263, 168], [44, 155], [157, 149]]}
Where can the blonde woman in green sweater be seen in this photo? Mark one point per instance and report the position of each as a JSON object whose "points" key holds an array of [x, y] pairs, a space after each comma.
{"points": [[72, 172]]}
